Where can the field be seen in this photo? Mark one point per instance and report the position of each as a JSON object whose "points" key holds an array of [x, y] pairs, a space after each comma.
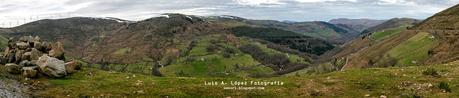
{"points": [[414, 50]]}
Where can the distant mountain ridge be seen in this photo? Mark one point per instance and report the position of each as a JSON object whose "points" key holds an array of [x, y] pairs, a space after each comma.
{"points": [[393, 23], [336, 33], [356, 24]]}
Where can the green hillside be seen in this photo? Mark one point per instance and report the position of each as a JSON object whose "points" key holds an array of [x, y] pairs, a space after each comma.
{"points": [[3, 42], [377, 36], [414, 50], [216, 57]]}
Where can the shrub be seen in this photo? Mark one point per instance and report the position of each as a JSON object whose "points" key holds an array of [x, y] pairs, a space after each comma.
{"points": [[444, 86], [431, 72], [277, 59], [324, 68], [212, 48], [228, 52]]}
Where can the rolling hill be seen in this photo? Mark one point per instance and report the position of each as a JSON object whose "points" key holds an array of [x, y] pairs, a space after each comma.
{"points": [[395, 23], [138, 47], [358, 25], [390, 44], [337, 34]]}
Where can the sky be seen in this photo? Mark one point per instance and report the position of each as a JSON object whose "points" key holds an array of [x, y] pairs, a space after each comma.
{"points": [[23, 11]]}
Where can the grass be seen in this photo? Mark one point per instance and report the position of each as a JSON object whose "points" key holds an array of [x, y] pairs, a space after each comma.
{"points": [[139, 68], [374, 82], [413, 50], [378, 36], [122, 51], [3, 42]]}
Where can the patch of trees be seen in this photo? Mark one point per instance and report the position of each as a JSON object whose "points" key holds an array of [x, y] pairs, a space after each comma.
{"points": [[286, 49], [276, 61], [291, 39], [215, 47]]}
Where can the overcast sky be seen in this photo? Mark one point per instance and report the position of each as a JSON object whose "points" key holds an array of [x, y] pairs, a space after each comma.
{"points": [[295, 10]]}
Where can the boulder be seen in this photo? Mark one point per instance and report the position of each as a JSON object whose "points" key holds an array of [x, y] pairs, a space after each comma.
{"points": [[6, 52], [51, 66], [72, 66], [30, 72], [13, 68], [35, 54], [36, 39], [19, 55], [26, 39], [11, 58], [22, 45], [26, 63], [57, 51], [38, 46], [46, 46], [26, 56]]}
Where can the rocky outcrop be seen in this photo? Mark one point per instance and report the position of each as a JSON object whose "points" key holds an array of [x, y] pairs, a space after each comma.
{"points": [[31, 57]]}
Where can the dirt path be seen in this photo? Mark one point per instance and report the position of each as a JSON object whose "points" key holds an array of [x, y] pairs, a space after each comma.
{"points": [[12, 89]]}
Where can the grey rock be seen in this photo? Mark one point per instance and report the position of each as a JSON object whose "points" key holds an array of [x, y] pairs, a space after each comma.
{"points": [[13, 68], [52, 67], [30, 72], [22, 45], [57, 51], [26, 63], [35, 54], [26, 56], [72, 66]]}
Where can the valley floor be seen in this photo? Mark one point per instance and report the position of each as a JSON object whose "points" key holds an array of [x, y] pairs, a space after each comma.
{"points": [[415, 81]]}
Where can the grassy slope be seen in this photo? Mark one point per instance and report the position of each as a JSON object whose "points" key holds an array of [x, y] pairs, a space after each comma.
{"points": [[414, 49], [204, 63], [374, 82], [3, 42], [377, 36]]}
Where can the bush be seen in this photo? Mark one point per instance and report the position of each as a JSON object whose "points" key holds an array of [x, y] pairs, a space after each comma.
{"points": [[181, 74], [444, 86], [212, 48], [324, 68], [277, 59], [228, 52], [431, 72]]}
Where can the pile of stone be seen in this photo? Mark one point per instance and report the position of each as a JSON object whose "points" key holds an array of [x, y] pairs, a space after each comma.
{"points": [[31, 57]]}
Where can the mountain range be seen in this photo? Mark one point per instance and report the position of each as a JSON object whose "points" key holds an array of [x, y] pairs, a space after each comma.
{"points": [[174, 54]]}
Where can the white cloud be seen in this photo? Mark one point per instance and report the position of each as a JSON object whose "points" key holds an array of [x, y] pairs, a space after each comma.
{"points": [[23, 11], [258, 2], [311, 1]]}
